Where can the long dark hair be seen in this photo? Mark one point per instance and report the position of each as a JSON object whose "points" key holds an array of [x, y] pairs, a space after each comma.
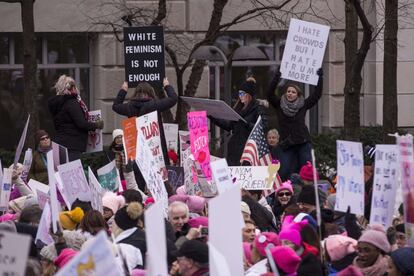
{"points": [[93, 222], [144, 90]]}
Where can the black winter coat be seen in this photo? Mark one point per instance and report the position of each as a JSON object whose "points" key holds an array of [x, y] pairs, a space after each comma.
{"points": [[70, 123], [293, 130], [144, 106], [241, 130]]}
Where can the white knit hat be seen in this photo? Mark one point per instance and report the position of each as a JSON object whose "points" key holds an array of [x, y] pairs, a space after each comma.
{"points": [[117, 132]]}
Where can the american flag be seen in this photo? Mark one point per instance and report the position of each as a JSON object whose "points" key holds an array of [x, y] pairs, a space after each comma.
{"points": [[256, 150]]}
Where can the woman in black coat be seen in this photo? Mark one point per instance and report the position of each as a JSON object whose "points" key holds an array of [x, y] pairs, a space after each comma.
{"points": [[249, 109], [71, 117], [291, 110]]}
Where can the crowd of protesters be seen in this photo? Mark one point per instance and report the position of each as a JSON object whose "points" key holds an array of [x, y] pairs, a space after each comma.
{"points": [[280, 229]]}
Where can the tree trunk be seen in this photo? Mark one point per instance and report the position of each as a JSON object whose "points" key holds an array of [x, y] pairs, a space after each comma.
{"points": [[30, 69], [390, 97]]}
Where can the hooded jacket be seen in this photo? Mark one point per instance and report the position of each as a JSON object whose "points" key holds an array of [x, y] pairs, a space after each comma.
{"points": [[70, 123]]}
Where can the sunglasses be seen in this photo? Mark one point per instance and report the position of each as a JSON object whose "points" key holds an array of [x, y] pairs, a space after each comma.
{"points": [[284, 194], [44, 138], [242, 93]]}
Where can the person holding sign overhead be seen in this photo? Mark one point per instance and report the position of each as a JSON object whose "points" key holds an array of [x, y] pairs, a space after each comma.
{"points": [[291, 108], [249, 109]]}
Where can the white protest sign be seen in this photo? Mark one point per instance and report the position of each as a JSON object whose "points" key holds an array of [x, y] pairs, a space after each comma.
{"points": [[184, 137], [254, 177], [74, 181], [156, 240], [54, 205], [96, 258], [224, 216], [405, 154], [60, 155], [14, 250], [40, 190], [21, 143], [1, 172], [171, 136], [96, 191], [5, 191], [304, 50], [149, 128], [407, 178], [43, 233], [108, 177], [384, 186], [350, 187], [218, 264], [221, 175], [61, 189], [188, 165], [95, 139], [27, 163]]}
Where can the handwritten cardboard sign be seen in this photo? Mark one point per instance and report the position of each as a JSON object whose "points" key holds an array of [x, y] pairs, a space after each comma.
{"points": [[171, 136], [40, 190], [95, 139], [5, 190], [96, 191], [108, 177], [27, 163], [221, 175], [20, 146], [74, 181], [43, 230], [254, 177], [130, 138], [14, 250], [54, 205]]}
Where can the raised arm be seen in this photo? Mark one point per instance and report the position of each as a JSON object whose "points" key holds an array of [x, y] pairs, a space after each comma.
{"points": [[314, 98], [118, 105], [274, 99]]}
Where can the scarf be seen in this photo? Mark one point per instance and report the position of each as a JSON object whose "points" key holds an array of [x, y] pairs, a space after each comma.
{"points": [[291, 108], [83, 106], [378, 268]]}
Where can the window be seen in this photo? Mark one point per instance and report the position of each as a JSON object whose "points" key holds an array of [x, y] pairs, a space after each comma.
{"points": [[57, 54]]}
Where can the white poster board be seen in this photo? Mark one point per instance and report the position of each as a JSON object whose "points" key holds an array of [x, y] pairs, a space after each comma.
{"points": [[95, 139], [40, 190], [216, 108], [221, 175], [14, 250], [350, 187], [171, 136], [253, 177], [304, 50], [96, 191], [96, 258], [108, 177], [20, 146], [384, 186], [54, 205], [60, 155], [27, 163], [43, 233], [149, 128], [74, 181], [5, 190]]}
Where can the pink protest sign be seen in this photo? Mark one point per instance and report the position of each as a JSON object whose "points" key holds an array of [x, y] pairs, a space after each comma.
{"points": [[198, 127]]}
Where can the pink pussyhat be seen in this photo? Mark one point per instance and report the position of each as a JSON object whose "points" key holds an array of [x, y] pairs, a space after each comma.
{"points": [[286, 259], [8, 217], [247, 250], [64, 257], [287, 185], [291, 232], [181, 190], [262, 241]]}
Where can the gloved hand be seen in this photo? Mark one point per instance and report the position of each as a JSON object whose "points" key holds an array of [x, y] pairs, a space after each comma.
{"points": [[129, 166], [99, 124]]}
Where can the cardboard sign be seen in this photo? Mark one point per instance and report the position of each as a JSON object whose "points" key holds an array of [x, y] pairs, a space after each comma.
{"points": [[20, 146], [60, 155], [108, 177], [96, 258], [221, 175], [207, 188], [5, 191], [407, 178], [198, 127], [254, 177], [130, 138], [149, 129], [184, 137], [54, 205], [43, 233], [144, 55], [40, 190], [304, 50], [171, 136], [188, 165], [95, 139], [96, 191], [61, 189], [74, 181], [384, 186], [175, 176], [350, 187], [14, 250], [156, 240], [27, 163]]}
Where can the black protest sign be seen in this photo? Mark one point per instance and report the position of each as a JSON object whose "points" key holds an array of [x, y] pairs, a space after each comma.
{"points": [[175, 176], [144, 55]]}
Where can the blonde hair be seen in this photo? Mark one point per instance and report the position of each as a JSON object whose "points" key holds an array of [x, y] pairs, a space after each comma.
{"points": [[64, 84], [274, 131]]}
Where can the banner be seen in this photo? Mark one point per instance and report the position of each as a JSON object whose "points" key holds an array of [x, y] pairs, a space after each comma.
{"points": [[171, 136], [175, 177], [27, 163], [74, 181], [95, 138], [96, 191], [350, 189], [5, 191], [20, 146], [130, 138], [384, 186], [304, 50], [198, 127], [108, 177], [96, 258], [14, 250], [149, 129], [254, 177], [144, 55]]}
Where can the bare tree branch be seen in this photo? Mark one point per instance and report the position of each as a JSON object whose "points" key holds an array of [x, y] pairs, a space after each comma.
{"points": [[162, 12]]}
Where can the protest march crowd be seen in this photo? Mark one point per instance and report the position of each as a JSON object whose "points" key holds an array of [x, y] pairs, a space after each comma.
{"points": [[262, 210]]}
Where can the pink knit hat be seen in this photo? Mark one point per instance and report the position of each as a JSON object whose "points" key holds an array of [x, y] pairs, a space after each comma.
{"points": [[173, 198], [306, 172], [181, 190], [198, 221], [196, 203], [339, 246], [8, 217], [375, 235], [247, 250], [262, 240], [287, 185], [285, 258], [291, 230], [113, 201], [64, 257], [138, 272]]}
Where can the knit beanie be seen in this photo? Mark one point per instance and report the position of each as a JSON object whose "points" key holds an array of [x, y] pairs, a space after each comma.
{"points": [[307, 195], [39, 134], [181, 190], [198, 221], [403, 259], [249, 86], [127, 217], [245, 208], [247, 250], [287, 185], [70, 219], [112, 201], [291, 230], [116, 133], [285, 258], [306, 172], [64, 257], [339, 246], [196, 203], [375, 235], [262, 241]]}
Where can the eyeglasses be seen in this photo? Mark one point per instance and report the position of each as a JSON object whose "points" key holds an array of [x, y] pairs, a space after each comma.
{"points": [[282, 194], [44, 138], [242, 93]]}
